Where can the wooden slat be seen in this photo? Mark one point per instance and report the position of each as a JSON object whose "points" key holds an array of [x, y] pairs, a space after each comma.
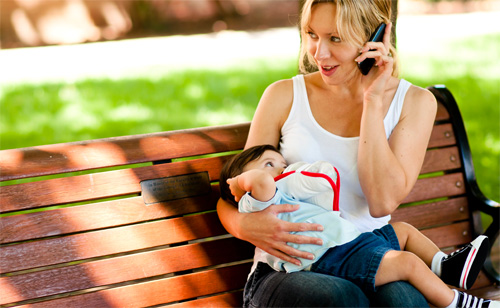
{"points": [[109, 152], [442, 114], [489, 292], [483, 281], [121, 269], [435, 213], [437, 187], [160, 291], [442, 135], [225, 300], [99, 185], [450, 235], [98, 216], [443, 159], [111, 241]]}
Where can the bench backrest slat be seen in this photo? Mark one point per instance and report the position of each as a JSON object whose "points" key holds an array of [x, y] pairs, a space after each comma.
{"points": [[96, 216], [109, 241], [118, 151], [98, 185], [441, 159], [434, 213]]}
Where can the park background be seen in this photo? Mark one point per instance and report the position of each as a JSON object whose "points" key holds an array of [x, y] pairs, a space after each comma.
{"points": [[74, 70]]}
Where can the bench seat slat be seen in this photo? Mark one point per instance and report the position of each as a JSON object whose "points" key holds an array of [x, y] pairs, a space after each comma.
{"points": [[225, 300], [99, 185], [110, 241], [162, 291], [110, 152], [120, 269], [484, 284], [98, 216], [490, 292]]}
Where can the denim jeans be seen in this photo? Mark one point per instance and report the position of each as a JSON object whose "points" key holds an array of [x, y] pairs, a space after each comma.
{"points": [[359, 260], [268, 288]]}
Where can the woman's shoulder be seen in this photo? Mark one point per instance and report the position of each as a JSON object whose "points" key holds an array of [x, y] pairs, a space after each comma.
{"points": [[282, 86], [419, 100], [422, 96], [280, 92]]}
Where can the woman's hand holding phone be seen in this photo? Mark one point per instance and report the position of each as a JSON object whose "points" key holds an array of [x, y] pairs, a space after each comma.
{"points": [[375, 81]]}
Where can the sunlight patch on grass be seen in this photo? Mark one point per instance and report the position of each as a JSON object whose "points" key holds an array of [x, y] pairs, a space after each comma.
{"points": [[236, 114], [131, 112]]}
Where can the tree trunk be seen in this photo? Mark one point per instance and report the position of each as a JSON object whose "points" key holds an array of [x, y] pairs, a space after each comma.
{"points": [[394, 18]]}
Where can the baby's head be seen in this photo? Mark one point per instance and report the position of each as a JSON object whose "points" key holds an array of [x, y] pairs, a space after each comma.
{"points": [[237, 164]]}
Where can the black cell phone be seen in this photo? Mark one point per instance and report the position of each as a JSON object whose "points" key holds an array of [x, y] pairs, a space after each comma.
{"points": [[376, 36]]}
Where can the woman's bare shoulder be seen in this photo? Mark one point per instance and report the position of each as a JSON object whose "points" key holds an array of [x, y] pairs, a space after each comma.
{"points": [[420, 100], [281, 87], [279, 95]]}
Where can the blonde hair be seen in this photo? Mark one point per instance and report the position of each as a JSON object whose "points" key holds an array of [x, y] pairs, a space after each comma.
{"points": [[356, 20]]}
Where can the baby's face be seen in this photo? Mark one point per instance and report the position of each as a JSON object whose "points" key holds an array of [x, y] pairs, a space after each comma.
{"points": [[269, 161]]}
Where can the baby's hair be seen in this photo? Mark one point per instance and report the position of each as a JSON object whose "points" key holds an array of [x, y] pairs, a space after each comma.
{"points": [[235, 165]]}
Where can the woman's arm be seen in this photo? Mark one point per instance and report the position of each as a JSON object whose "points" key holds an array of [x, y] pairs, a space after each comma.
{"points": [[388, 169], [264, 229]]}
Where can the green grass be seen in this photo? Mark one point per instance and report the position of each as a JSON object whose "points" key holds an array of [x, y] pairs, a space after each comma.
{"points": [[36, 114], [52, 113]]}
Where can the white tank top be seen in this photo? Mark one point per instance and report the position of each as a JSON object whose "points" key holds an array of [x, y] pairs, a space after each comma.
{"points": [[303, 139]]}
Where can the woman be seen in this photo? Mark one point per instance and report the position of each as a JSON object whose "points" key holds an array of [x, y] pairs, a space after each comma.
{"points": [[373, 128]]}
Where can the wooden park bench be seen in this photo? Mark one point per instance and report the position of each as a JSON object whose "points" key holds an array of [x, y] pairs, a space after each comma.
{"points": [[131, 221]]}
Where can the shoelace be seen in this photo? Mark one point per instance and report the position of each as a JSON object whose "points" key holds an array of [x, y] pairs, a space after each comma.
{"points": [[470, 301], [455, 252]]}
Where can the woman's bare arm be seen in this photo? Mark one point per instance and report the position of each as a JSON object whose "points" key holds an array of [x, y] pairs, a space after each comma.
{"points": [[264, 229], [388, 170]]}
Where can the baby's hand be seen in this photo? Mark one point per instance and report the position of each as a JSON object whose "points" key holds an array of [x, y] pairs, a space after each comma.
{"points": [[235, 188]]}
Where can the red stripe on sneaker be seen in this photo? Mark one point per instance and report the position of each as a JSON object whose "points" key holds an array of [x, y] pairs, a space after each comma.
{"points": [[468, 269]]}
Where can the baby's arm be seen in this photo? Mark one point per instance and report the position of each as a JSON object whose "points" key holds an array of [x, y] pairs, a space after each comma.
{"points": [[258, 182]]}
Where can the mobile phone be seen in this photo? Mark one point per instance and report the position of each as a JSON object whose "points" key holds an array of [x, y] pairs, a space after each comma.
{"points": [[377, 36]]}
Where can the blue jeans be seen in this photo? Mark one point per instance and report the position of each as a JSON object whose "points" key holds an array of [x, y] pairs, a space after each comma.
{"points": [[359, 260], [268, 288]]}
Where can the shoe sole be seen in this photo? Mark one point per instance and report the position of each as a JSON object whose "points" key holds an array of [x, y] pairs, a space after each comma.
{"points": [[475, 261]]}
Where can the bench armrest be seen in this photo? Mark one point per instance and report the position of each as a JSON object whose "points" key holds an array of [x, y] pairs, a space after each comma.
{"points": [[477, 200]]}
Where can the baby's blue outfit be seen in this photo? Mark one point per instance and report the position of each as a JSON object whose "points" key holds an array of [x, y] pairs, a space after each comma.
{"points": [[315, 188]]}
